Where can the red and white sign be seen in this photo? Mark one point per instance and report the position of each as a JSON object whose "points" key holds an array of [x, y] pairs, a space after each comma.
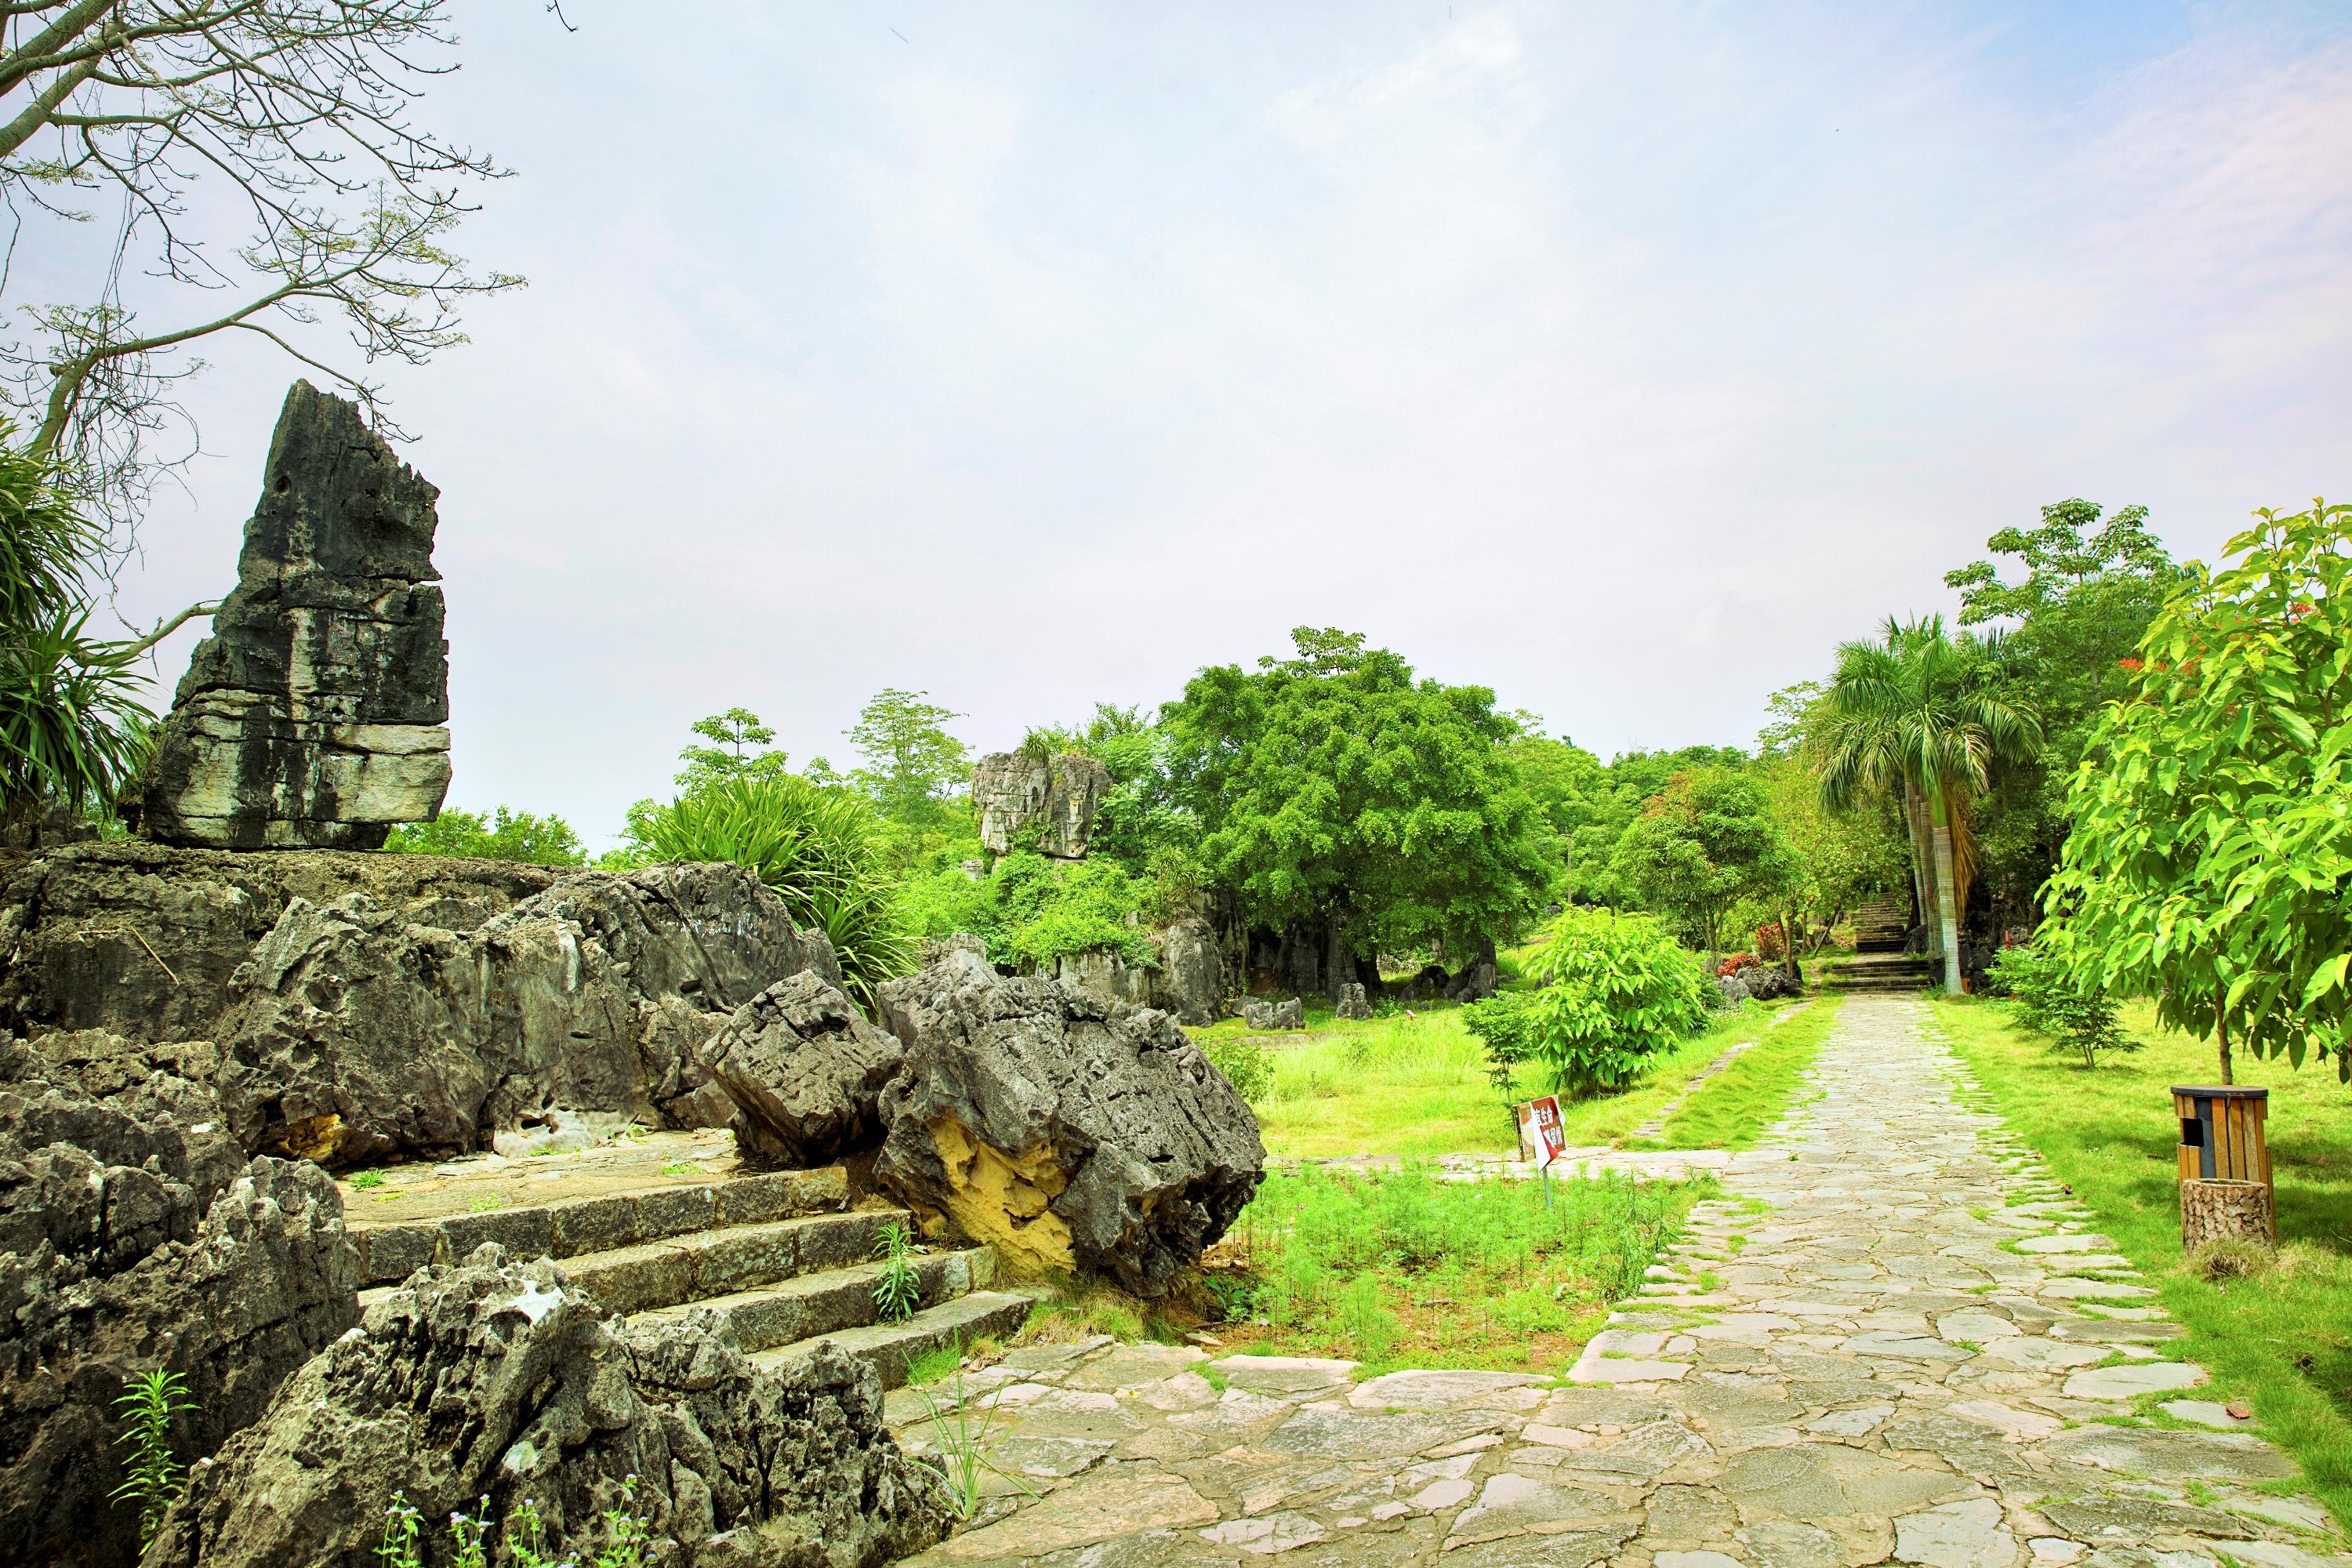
{"points": [[1541, 1137]]}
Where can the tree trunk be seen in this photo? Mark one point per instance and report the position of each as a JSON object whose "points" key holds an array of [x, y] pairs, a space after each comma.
{"points": [[1923, 871], [1947, 918], [2222, 1029]]}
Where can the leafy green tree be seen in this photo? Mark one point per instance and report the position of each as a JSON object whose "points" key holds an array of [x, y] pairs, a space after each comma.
{"points": [[1918, 714], [1567, 782], [502, 836], [1615, 991], [2084, 594], [2047, 998], [1333, 787], [1609, 804], [729, 752], [1705, 842], [913, 767], [2211, 863], [1843, 860]]}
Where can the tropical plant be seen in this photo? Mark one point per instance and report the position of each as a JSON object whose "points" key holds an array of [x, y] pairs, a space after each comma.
{"points": [[958, 1428], [728, 750], [819, 848], [2047, 998], [912, 765], [153, 1476], [2211, 857], [1702, 845], [899, 1287], [1913, 713], [502, 836], [1613, 990]]}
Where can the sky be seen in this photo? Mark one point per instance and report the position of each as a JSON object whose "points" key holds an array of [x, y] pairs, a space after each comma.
{"points": [[1622, 358]]}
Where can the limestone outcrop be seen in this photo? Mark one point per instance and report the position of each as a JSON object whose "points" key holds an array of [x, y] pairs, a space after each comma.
{"points": [[1192, 978], [496, 1379], [355, 1035], [1353, 1003], [1022, 798], [1071, 1133], [316, 713], [806, 1072], [135, 1235]]}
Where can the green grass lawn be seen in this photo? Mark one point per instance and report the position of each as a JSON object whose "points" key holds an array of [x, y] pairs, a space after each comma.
{"points": [[1407, 1268], [2281, 1340], [1418, 1087], [1731, 1109]]}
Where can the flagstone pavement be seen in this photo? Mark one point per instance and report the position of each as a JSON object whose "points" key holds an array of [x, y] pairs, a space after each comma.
{"points": [[1891, 1338]]}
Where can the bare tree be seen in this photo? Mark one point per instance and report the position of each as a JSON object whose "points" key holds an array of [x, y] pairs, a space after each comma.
{"points": [[299, 109]]}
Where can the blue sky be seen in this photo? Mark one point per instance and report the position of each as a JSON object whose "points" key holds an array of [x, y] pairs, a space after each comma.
{"points": [[1622, 358]]}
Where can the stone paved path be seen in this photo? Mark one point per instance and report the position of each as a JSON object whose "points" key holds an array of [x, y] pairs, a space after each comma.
{"points": [[1893, 1338]]}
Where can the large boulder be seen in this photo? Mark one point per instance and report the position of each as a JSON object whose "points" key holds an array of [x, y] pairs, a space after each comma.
{"points": [[143, 939], [1766, 982], [1190, 980], [134, 1237], [1047, 803], [1353, 1003], [497, 1380], [1290, 1013], [1071, 1134], [806, 1072], [360, 1036], [316, 712]]}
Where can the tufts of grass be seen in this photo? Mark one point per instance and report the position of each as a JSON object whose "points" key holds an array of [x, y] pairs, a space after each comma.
{"points": [[367, 1178], [2274, 1329], [1409, 1268], [1740, 1103], [938, 1361]]}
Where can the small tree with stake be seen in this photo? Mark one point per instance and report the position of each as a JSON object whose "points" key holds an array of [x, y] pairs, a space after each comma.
{"points": [[2211, 854]]}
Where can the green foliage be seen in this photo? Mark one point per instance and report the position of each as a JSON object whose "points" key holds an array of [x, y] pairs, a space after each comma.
{"points": [[912, 765], [401, 1546], [72, 728], [1592, 805], [2211, 853], [2047, 998], [1242, 1059], [820, 849], [1614, 991], [728, 754], [503, 836], [899, 1287], [1030, 910], [1704, 843], [1843, 860], [1333, 784], [153, 1476], [1139, 824]]}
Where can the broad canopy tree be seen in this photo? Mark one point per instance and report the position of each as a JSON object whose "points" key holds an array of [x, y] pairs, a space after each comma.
{"points": [[1334, 790], [1703, 845]]}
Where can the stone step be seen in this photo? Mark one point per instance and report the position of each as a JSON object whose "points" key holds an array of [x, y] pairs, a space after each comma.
{"points": [[811, 1306], [390, 1250], [997, 1314]]}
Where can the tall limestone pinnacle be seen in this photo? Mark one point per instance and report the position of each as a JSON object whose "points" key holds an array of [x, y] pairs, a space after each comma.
{"points": [[316, 714]]}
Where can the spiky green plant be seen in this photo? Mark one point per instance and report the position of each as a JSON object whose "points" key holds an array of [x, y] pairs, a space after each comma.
{"points": [[898, 1289], [821, 850], [1917, 713], [153, 1477]]}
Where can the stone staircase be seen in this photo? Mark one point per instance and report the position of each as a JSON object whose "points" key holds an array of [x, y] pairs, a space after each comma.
{"points": [[787, 1258], [1883, 971], [1880, 928]]}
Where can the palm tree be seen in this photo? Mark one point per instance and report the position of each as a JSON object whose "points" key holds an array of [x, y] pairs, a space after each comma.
{"points": [[1914, 712]]}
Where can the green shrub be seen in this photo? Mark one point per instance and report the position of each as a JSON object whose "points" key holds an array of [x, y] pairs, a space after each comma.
{"points": [[502, 836], [1614, 990], [1030, 911], [2044, 997], [821, 850], [1243, 1062]]}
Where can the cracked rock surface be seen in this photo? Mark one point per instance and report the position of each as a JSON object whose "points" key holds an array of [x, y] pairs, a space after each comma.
{"points": [[1894, 1338]]}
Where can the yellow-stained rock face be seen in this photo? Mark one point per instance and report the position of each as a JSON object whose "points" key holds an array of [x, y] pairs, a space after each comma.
{"points": [[312, 1138], [1000, 1199]]}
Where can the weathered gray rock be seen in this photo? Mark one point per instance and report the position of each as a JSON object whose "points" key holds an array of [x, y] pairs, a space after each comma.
{"points": [[141, 939], [1257, 1013], [1474, 984], [135, 1235], [1290, 1013], [1071, 1134], [316, 712], [1192, 976], [1353, 1003], [1767, 982], [495, 1379], [1731, 989], [1108, 974], [358, 1036], [1022, 797], [806, 1072]]}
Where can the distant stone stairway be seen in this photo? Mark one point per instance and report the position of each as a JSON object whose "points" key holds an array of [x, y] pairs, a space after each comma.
{"points": [[784, 1256], [1880, 928]]}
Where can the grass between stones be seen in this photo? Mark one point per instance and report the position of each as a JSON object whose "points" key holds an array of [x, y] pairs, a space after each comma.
{"points": [[2278, 1338], [1419, 1087], [1408, 1269], [1734, 1107]]}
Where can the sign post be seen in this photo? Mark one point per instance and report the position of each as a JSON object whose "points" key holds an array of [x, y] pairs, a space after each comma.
{"points": [[1542, 1138]]}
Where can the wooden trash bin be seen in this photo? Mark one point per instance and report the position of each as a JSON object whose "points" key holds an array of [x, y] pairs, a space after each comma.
{"points": [[2226, 1189]]}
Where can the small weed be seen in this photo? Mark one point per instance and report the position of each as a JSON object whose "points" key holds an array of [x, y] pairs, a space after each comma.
{"points": [[485, 1202], [627, 1536], [1365, 1318], [367, 1178], [470, 1532], [898, 1289], [681, 1168], [525, 1537], [154, 1475], [399, 1548], [962, 1437], [1214, 1376]]}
